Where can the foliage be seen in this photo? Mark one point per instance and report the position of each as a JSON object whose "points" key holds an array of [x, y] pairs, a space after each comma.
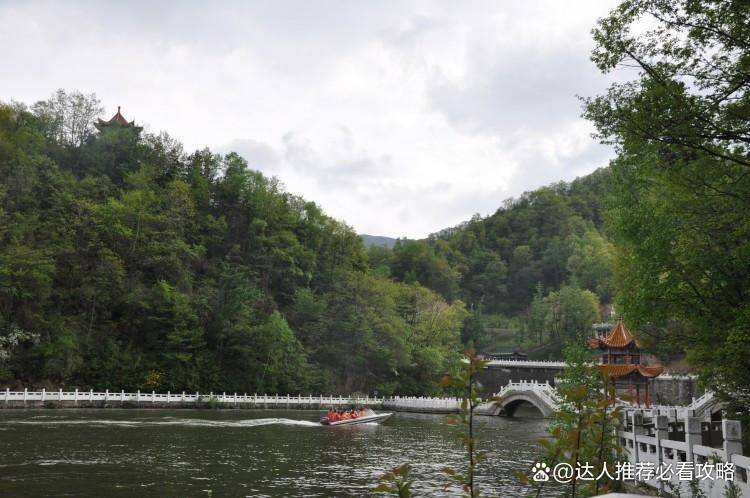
{"points": [[505, 264], [570, 313], [465, 382], [396, 481], [138, 265], [582, 430], [681, 180]]}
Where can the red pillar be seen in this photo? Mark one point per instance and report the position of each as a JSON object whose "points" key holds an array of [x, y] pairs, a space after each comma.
{"points": [[648, 396], [638, 393]]}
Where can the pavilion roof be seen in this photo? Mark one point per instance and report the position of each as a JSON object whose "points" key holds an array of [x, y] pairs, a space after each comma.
{"points": [[615, 371], [619, 337], [117, 118]]}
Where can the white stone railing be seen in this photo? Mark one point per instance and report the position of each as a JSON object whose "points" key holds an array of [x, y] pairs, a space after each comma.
{"points": [[707, 398], [645, 442], [526, 364], [696, 407], [422, 404], [139, 397]]}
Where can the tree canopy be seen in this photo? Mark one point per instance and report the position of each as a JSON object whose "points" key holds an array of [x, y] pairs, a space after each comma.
{"points": [[682, 132], [126, 262]]}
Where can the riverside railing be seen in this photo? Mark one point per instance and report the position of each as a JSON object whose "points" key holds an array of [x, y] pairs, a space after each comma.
{"points": [[422, 404], [653, 442], [153, 397], [557, 365]]}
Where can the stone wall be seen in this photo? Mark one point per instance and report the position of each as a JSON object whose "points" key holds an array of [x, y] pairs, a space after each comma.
{"points": [[674, 390]]}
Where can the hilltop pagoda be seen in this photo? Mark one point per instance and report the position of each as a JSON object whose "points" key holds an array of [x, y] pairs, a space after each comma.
{"points": [[620, 359], [116, 120]]}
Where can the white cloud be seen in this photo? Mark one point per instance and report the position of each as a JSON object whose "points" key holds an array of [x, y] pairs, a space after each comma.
{"points": [[399, 118]]}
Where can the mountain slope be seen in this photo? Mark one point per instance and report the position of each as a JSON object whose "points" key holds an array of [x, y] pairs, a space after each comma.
{"points": [[377, 240]]}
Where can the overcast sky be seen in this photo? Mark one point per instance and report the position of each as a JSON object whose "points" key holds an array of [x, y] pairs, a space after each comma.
{"points": [[400, 118]]}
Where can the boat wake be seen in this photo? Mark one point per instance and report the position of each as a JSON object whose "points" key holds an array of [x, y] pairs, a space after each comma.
{"points": [[165, 421]]}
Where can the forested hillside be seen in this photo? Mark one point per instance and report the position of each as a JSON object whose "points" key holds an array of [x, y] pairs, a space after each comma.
{"points": [[126, 262], [533, 273]]}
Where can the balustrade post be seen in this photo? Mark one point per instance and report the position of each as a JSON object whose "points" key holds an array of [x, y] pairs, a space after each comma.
{"points": [[693, 435], [75, 397], [59, 395], [44, 392], [661, 432], [7, 394], [183, 396], [106, 395], [122, 396], [91, 395], [153, 396], [732, 432], [636, 418], [138, 396], [168, 393], [25, 394]]}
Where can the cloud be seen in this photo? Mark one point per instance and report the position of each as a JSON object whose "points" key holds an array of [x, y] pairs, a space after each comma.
{"points": [[398, 118]]}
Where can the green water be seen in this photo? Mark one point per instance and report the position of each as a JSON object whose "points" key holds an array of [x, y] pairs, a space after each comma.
{"points": [[185, 453]]}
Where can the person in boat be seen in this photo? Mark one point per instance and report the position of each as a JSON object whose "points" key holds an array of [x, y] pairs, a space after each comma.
{"points": [[361, 411], [330, 414]]}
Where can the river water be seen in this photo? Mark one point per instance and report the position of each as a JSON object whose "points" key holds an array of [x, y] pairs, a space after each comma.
{"points": [[259, 453]]}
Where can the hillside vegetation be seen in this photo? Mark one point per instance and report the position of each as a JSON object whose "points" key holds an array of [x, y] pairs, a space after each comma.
{"points": [[533, 273], [126, 263]]}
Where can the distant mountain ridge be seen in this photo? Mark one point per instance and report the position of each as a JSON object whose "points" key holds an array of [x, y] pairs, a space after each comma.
{"points": [[378, 240]]}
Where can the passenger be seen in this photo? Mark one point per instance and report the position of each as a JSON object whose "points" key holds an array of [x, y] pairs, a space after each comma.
{"points": [[362, 412], [345, 415], [329, 415], [355, 413]]}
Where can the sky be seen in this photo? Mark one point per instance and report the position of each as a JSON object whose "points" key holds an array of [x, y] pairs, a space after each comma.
{"points": [[399, 118]]}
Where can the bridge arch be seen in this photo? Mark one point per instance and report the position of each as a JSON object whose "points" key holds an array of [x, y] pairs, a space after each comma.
{"points": [[511, 400]]}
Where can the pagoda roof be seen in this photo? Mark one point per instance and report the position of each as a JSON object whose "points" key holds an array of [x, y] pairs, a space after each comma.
{"points": [[619, 337], [117, 118], [615, 371]]}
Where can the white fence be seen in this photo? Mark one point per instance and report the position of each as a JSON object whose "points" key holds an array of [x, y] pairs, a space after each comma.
{"points": [[646, 444], [153, 397], [557, 365], [700, 407], [422, 404]]}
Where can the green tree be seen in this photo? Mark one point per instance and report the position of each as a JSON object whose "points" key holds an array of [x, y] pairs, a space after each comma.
{"points": [[682, 189], [570, 313], [581, 431]]}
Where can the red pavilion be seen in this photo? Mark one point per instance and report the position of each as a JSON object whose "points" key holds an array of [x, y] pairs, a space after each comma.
{"points": [[620, 359]]}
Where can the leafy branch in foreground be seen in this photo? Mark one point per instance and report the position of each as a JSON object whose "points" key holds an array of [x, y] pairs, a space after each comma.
{"points": [[396, 481], [466, 383], [582, 432]]}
